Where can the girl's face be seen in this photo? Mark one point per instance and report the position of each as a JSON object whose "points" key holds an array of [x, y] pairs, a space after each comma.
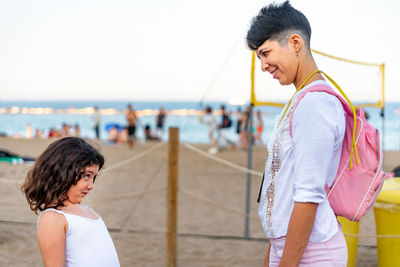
{"points": [[77, 192], [280, 61]]}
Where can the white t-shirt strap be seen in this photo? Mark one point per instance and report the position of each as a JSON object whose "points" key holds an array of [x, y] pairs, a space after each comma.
{"points": [[85, 206], [49, 209], [90, 209]]}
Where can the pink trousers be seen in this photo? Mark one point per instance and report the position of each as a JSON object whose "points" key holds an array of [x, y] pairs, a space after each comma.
{"points": [[332, 253]]}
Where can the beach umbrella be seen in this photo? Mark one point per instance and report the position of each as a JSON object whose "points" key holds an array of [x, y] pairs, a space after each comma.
{"points": [[113, 125]]}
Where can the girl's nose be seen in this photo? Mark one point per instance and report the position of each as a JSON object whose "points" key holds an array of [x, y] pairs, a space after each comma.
{"points": [[90, 184]]}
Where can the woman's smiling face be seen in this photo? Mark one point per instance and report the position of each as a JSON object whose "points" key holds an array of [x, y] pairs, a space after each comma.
{"points": [[280, 61]]}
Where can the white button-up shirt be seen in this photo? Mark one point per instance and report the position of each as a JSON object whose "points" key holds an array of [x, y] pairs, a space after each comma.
{"points": [[299, 166]]}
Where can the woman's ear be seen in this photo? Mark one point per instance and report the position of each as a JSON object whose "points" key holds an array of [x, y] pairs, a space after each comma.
{"points": [[296, 42]]}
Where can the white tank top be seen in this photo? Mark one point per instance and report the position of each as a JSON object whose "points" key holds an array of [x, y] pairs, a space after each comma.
{"points": [[88, 243]]}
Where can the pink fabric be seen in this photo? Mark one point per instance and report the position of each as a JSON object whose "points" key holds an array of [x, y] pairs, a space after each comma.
{"points": [[355, 190], [332, 253]]}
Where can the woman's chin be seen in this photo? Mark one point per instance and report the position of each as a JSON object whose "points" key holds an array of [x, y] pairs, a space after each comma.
{"points": [[283, 82]]}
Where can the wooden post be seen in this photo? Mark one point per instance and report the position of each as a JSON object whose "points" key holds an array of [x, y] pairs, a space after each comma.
{"points": [[172, 200]]}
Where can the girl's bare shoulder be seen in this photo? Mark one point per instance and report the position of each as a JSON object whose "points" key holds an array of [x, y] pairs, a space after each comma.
{"points": [[51, 218]]}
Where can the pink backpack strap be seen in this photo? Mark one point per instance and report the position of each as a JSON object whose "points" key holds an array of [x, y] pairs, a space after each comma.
{"points": [[319, 88]]}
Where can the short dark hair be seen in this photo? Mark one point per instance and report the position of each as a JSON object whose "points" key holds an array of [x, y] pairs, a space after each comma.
{"points": [[278, 22], [60, 166]]}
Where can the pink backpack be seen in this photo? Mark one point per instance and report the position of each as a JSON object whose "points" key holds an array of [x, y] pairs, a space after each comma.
{"points": [[356, 186]]}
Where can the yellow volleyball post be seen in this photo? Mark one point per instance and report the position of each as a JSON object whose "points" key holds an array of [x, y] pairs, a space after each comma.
{"points": [[382, 102], [253, 68], [387, 219], [350, 230]]}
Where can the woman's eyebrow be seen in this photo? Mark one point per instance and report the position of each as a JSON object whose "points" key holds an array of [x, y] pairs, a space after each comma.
{"points": [[262, 50]]}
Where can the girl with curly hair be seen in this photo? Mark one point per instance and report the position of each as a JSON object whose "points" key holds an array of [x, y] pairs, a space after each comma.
{"points": [[69, 233]]}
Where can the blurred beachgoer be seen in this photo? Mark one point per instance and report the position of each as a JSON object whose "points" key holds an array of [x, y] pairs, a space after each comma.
{"points": [[68, 232], [149, 136], [54, 133], [123, 136], [294, 211], [96, 122], [258, 128], [113, 134], [28, 131], [160, 122], [366, 115], [244, 129], [51, 133], [65, 130], [240, 116], [130, 116], [38, 134], [76, 130], [226, 122], [210, 120]]}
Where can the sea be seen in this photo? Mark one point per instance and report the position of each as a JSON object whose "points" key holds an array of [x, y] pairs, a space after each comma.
{"points": [[15, 116]]}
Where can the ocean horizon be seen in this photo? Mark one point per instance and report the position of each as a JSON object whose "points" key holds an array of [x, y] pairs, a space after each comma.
{"points": [[16, 115]]}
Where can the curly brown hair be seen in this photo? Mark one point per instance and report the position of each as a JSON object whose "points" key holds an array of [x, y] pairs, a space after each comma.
{"points": [[59, 167]]}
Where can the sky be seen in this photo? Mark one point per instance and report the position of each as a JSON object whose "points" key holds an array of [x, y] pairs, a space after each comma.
{"points": [[181, 50]]}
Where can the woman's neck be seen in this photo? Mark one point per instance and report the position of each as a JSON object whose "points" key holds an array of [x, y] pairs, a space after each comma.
{"points": [[304, 69]]}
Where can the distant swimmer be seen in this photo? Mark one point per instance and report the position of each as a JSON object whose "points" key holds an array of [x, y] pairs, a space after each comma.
{"points": [[131, 119], [96, 122], [160, 122]]}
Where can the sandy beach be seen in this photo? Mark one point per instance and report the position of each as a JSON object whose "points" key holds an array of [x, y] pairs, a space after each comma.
{"points": [[131, 198]]}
